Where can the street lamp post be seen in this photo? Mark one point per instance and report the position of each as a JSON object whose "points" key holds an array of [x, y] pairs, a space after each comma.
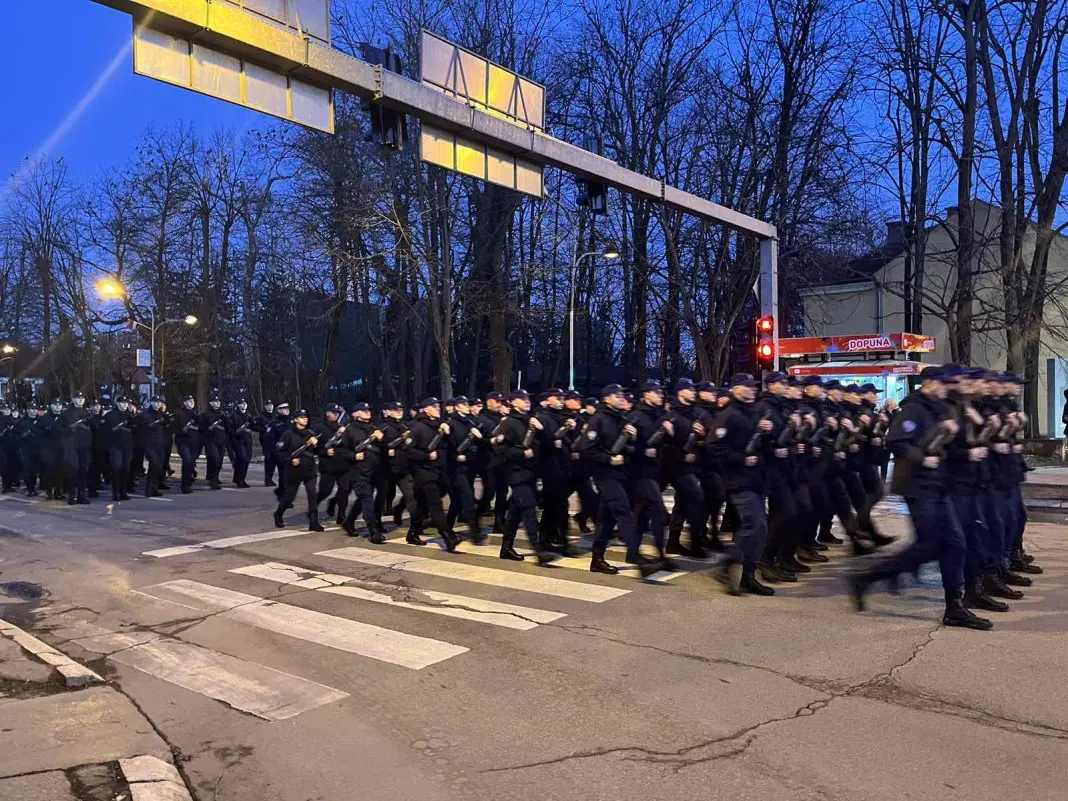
{"points": [[110, 288], [608, 253]]}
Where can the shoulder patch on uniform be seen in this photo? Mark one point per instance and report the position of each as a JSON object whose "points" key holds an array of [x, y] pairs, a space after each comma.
{"points": [[408, 440], [721, 433], [591, 433], [909, 426]]}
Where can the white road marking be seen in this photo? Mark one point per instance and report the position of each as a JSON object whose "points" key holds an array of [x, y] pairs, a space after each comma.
{"points": [[230, 542], [257, 689], [386, 645], [447, 568], [574, 562], [509, 616]]}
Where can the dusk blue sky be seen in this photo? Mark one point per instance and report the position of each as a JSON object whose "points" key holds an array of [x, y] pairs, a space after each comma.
{"points": [[61, 48]]}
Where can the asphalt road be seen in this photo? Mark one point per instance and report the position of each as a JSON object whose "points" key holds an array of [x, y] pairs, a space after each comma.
{"points": [[318, 667]]}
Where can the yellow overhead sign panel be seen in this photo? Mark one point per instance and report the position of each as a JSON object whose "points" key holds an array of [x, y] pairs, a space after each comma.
{"points": [[475, 159], [487, 86], [191, 65]]}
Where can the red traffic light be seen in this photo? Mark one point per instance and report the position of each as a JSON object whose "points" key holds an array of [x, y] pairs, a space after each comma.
{"points": [[765, 351], [765, 325]]}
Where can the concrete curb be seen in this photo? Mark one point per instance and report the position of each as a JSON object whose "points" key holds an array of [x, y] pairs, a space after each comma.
{"points": [[152, 779], [73, 674]]}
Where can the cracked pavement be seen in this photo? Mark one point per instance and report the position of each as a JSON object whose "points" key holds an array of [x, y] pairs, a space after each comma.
{"points": [[671, 691]]}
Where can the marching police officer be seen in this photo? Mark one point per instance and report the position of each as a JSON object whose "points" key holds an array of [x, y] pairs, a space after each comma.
{"points": [[152, 425], [739, 441], [262, 425], [278, 426], [29, 447], [607, 436], [683, 457], [77, 443], [9, 459], [651, 432], [239, 430], [296, 452], [118, 429], [464, 439], [393, 471], [187, 437], [358, 447], [516, 446], [918, 438], [213, 437], [425, 445], [333, 461]]}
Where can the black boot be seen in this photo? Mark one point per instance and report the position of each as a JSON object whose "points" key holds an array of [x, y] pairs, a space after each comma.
{"points": [[599, 565], [731, 577], [751, 585], [882, 540], [650, 567], [828, 538], [789, 562], [783, 572], [414, 537], [997, 588], [768, 572], [376, 536], [583, 523], [1017, 564], [809, 555], [975, 597], [70, 498], [449, 540], [673, 545], [858, 588], [331, 507], [957, 615], [313, 521], [278, 522], [508, 550], [668, 563], [1015, 580]]}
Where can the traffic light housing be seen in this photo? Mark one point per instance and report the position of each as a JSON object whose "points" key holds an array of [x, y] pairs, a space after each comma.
{"points": [[593, 195], [389, 127], [766, 355], [765, 343]]}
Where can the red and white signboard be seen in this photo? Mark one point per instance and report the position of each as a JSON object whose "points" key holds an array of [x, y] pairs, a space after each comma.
{"points": [[856, 343], [874, 368]]}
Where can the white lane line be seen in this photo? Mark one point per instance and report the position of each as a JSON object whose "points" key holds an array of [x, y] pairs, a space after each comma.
{"points": [[447, 568], [230, 542], [249, 686], [386, 645], [164, 500], [509, 616], [573, 562]]}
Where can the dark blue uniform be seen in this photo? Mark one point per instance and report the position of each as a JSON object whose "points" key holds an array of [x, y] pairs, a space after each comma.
{"points": [[118, 428]]}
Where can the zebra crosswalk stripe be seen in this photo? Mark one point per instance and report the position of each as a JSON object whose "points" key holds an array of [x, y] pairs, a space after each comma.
{"points": [[494, 613], [574, 563], [449, 568], [249, 686], [229, 542], [343, 634]]}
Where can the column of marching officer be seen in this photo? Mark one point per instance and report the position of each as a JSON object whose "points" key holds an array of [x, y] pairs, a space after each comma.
{"points": [[770, 470]]}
